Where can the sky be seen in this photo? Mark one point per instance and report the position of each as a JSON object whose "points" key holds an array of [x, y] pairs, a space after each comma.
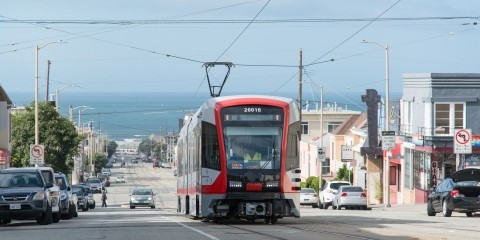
{"points": [[161, 46]]}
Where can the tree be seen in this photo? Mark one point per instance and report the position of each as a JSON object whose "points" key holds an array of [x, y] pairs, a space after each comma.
{"points": [[146, 147], [99, 162], [111, 148], [344, 174], [56, 133]]}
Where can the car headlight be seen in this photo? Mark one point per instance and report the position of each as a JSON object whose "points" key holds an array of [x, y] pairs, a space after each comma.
{"points": [[150, 199], [63, 196], [39, 196]]}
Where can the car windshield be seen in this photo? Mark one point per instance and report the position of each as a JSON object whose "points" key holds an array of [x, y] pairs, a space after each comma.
{"points": [[352, 189], [142, 192], [77, 191], [94, 180], [60, 183], [30, 179], [307, 190]]}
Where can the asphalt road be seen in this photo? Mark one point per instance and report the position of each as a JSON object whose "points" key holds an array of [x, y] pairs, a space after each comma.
{"points": [[119, 222]]}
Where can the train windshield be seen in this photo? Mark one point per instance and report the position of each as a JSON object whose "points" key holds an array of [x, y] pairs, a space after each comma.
{"points": [[253, 137]]}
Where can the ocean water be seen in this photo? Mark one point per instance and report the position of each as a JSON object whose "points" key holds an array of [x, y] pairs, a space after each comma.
{"points": [[138, 115]]}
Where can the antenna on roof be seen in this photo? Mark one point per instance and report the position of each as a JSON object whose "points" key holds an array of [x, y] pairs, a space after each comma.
{"points": [[212, 88]]}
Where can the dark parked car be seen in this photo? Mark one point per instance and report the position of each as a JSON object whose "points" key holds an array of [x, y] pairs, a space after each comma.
{"points": [[25, 194], [460, 193], [81, 196]]}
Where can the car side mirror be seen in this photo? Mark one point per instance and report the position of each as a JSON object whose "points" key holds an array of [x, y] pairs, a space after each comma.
{"points": [[48, 184], [69, 188]]}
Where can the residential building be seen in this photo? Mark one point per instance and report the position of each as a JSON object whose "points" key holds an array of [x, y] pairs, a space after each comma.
{"points": [[433, 107], [333, 117], [5, 129]]}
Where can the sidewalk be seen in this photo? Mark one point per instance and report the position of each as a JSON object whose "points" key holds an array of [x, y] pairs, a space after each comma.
{"points": [[398, 207]]}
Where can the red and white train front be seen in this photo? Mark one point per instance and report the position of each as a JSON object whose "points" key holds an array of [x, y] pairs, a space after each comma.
{"points": [[238, 158]]}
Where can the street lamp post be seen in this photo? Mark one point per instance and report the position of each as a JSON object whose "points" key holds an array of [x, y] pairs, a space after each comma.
{"points": [[72, 109], [37, 140], [79, 113], [57, 105], [387, 116]]}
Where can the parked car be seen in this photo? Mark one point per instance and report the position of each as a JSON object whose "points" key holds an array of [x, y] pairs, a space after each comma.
{"points": [[459, 193], [156, 164], [142, 197], [350, 197], [82, 200], [54, 192], [328, 192], [120, 179], [25, 195], [68, 205], [166, 165], [95, 184], [308, 196], [89, 196]]}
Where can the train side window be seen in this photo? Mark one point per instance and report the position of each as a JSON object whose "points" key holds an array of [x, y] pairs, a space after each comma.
{"points": [[210, 149], [292, 147]]}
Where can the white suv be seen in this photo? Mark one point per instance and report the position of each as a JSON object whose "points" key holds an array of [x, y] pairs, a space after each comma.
{"points": [[327, 194]]}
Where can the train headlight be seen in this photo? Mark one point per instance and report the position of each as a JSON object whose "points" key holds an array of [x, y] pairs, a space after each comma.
{"points": [[272, 184], [235, 184]]}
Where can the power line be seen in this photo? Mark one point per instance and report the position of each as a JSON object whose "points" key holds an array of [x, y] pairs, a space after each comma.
{"points": [[171, 20]]}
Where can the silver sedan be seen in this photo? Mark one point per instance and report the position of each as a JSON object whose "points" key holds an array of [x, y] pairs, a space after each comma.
{"points": [[142, 197], [350, 197]]}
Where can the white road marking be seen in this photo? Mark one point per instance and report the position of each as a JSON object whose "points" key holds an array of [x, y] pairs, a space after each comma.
{"points": [[193, 229]]}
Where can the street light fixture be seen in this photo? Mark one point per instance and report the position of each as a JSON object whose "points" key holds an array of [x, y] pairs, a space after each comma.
{"points": [[36, 88], [57, 92], [72, 109], [79, 113], [387, 116]]}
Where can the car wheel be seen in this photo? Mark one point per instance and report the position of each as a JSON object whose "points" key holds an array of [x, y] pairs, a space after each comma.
{"points": [[469, 214], [339, 206], [430, 210], [325, 206], [56, 217], [152, 207], [320, 205], [132, 207], [5, 221], [46, 217], [446, 212]]}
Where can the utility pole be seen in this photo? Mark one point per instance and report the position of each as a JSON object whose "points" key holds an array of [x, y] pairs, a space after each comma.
{"points": [[47, 81], [300, 70]]}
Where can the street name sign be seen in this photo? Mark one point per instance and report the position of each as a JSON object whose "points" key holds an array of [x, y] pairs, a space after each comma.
{"points": [[388, 140]]}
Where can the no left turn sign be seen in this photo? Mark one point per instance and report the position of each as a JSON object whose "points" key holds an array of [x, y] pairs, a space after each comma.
{"points": [[462, 140]]}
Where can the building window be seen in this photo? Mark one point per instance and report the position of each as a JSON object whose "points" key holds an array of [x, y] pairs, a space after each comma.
{"points": [[449, 116], [407, 117], [408, 171], [421, 173], [333, 125], [326, 167], [304, 128]]}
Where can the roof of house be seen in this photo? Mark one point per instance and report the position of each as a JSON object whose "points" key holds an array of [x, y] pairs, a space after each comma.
{"points": [[357, 120], [4, 96]]}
